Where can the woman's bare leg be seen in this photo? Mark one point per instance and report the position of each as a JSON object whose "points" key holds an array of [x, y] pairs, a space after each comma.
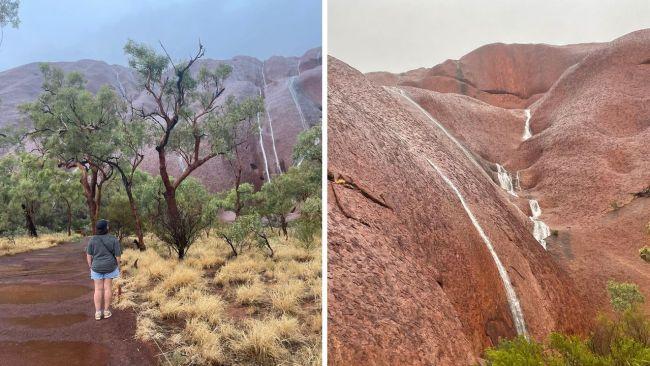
{"points": [[97, 297], [108, 292]]}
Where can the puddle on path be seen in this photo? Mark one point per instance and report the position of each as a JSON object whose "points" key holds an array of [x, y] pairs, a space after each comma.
{"points": [[61, 353], [48, 320], [35, 293]]}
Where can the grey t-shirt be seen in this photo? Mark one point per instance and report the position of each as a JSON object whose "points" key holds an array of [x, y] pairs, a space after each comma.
{"points": [[104, 249]]}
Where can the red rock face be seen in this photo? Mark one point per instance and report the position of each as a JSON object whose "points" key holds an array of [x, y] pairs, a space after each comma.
{"points": [[509, 76], [291, 87], [410, 279], [589, 152], [416, 263]]}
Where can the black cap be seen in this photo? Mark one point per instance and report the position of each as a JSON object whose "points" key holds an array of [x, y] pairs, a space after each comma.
{"points": [[102, 227]]}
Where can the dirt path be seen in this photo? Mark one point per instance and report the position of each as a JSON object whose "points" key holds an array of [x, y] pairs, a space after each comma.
{"points": [[47, 314]]}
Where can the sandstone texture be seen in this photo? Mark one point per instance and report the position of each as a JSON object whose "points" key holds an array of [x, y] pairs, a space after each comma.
{"points": [[410, 279]]}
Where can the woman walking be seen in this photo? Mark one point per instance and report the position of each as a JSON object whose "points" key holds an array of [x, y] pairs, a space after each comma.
{"points": [[103, 257]]}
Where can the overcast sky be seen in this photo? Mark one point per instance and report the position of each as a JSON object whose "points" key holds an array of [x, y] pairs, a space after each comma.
{"points": [[374, 35], [69, 30]]}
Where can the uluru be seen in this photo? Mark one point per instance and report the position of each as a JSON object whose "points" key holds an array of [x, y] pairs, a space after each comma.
{"points": [[494, 196]]}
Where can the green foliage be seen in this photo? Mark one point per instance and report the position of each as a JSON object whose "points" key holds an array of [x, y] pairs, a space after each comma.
{"points": [[516, 352], [309, 146], [246, 230], [228, 200], [9, 13], [573, 351], [192, 199], [622, 340], [624, 295], [36, 187], [309, 223]]}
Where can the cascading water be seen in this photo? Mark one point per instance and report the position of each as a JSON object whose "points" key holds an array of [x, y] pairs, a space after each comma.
{"points": [[268, 115], [511, 295], [541, 231], [266, 162], [527, 133], [295, 101], [505, 180], [181, 163]]}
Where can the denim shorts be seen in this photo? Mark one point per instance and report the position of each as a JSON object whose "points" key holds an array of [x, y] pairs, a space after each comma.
{"points": [[102, 276]]}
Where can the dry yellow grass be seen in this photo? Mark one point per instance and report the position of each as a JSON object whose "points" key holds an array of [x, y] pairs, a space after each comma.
{"points": [[244, 310], [286, 296], [243, 268], [249, 294], [181, 275], [26, 244]]}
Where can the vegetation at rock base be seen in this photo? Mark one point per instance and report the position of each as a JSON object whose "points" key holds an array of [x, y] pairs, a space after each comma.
{"points": [[619, 340], [624, 296]]}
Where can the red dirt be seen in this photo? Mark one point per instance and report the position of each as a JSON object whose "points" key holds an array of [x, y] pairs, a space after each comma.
{"points": [[47, 314]]}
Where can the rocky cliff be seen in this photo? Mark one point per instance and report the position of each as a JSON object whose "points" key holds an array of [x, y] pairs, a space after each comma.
{"points": [[428, 249]]}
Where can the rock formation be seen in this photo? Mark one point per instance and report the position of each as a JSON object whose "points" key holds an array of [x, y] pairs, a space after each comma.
{"points": [[411, 277], [291, 87]]}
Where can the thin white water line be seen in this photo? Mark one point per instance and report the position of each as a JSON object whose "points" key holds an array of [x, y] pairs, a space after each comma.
{"points": [[513, 302], [181, 163], [527, 133], [119, 83], [266, 163], [295, 101], [268, 115], [441, 127]]}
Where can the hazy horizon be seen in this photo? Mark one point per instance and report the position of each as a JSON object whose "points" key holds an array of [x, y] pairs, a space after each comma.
{"points": [[99, 31], [383, 35]]}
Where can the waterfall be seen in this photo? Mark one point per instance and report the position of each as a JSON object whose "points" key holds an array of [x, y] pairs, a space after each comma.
{"points": [[268, 115], [541, 231], [181, 163], [440, 126], [505, 180], [527, 133], [266, 163], [511, 295], [295, 101]]}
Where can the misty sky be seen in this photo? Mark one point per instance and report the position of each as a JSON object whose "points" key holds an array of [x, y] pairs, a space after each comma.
{"points": [[373, 35], [69, 30]]}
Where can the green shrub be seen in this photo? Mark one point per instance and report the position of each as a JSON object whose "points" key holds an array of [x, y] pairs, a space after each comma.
{"points": [[516, 352], [574, 351], [624, 295], [621, 340]]}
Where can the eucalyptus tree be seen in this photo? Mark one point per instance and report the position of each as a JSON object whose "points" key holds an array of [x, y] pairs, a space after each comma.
{"points": [[75, 128], [8, 15], [65, 188], [191, 119], [129, 139], [26, 187]]}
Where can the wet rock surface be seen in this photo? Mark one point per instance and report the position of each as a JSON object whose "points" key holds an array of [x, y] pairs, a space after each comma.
{"points": [[410, 279], [590, 120], [47, 314]]}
